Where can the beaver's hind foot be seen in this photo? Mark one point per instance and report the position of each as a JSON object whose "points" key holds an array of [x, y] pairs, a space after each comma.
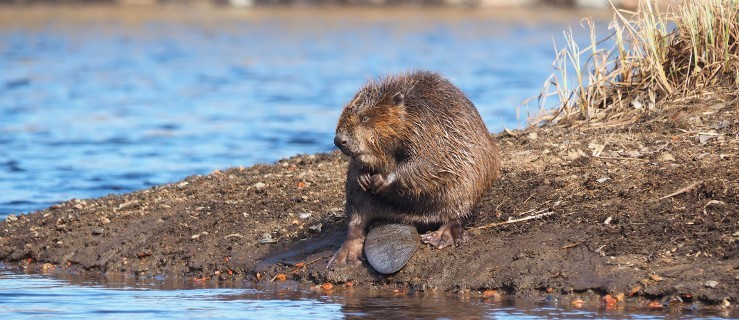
{"points": [[350, 253], [449, 234]]}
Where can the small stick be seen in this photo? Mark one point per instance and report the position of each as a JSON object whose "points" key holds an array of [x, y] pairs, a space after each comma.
{"points": [[681, 191], [572, 245], [534, 216], [621, 158]]}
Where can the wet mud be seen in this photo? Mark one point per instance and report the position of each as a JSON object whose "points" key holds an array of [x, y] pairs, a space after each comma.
{"points": [[645, 211]]}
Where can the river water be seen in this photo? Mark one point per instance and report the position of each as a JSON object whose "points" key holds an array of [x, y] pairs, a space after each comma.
{"points": [[99, 100]]}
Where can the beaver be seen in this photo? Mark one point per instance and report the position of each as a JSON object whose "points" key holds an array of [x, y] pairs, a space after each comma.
{"points": [[420, 155]]}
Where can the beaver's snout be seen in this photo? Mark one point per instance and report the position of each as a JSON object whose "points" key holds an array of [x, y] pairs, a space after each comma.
{"points": [[341, 141]]}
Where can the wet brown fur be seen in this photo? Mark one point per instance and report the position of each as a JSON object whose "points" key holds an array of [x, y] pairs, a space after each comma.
{"points": [[423, 130]]}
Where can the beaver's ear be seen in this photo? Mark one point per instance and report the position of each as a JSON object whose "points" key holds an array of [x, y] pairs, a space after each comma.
{"points": [[399, 99]]}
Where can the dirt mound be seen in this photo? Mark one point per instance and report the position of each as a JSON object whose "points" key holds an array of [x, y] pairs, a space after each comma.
{"points": [[651, 208]]}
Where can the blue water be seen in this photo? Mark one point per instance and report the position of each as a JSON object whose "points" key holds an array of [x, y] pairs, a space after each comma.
{"points": [[37, 296], [92, 106], [114, 100]]}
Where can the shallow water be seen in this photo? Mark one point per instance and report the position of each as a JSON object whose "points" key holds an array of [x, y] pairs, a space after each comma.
{"points": [[108, 100], [79, 296]]}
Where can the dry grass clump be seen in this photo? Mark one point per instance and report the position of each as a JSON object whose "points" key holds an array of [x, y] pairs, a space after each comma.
{"points": [[688, 51]]}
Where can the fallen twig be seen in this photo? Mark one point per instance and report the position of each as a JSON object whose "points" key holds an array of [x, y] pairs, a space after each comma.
{"points": [[572, 245], [620, 158], [539, 214], [682, 190]]}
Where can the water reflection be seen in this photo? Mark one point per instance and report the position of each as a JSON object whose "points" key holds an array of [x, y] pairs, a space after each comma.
{"points": [[116, 296]]}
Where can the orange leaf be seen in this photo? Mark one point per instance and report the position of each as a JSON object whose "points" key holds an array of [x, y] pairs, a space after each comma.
{"points": [[280, 277], [608, 301], [349, 284], [489, 293], [655, 305], [550, 289], [230, 272], [301, 184], [327, 286], [634, 290], [300, 265], [578, 303]]}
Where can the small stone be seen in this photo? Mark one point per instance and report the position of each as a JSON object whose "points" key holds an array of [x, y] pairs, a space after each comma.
{"points": [[305, 215], [711, 284], [267, 238], [725, 303], [97, 231], [656, 278], [316, 227], [388, 247], [666, 157], [11, 218], [601, 180], [260, 185], [104, 220]]}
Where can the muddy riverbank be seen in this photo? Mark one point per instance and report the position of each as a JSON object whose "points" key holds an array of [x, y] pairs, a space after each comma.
{"points": [[648, 210]]}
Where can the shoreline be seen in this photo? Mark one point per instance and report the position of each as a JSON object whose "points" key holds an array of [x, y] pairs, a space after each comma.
{"points": [[646, 211]]}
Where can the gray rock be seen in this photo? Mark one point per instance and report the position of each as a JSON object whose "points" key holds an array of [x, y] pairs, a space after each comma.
{"points": [[388, 247]]}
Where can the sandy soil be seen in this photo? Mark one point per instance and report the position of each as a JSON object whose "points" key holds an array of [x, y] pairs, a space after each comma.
{"points": [[648, 211]]}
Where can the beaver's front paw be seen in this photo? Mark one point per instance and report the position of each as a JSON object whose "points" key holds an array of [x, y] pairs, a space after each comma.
{"points": [[349, 253], [375, 183], [449, 234]]}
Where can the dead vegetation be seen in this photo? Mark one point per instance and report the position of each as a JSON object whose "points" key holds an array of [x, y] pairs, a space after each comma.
{"points": [[688, 52]]}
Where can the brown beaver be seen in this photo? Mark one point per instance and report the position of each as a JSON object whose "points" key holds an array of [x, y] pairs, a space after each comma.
{"points": [[420, 154]]}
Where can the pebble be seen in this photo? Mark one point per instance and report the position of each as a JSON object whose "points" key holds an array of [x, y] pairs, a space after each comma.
{"points": [[260, 185], [267, 238], [11, 218], [711, 283], [97, 231], [550, 299], [305, 215], [316, 227], [666, 157]]}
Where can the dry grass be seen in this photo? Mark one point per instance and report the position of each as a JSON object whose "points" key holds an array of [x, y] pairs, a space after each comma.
{"points": [[690, 50]]}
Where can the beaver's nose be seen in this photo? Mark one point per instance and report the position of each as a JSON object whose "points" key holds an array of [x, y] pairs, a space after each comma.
{"points": [[340, 140]]}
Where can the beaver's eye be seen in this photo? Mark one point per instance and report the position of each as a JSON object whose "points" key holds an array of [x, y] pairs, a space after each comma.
{"points": [[365, 118]]}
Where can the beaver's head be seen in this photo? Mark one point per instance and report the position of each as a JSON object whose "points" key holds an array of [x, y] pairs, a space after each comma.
{"points": [[372, 127]]}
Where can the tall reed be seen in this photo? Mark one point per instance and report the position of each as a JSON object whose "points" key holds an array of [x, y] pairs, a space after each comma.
{"points": [[688, 50]]}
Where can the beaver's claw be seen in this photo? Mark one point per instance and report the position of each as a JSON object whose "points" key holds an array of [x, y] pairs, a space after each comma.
{"points": [[375, 183], [350, 253], [449, 234]]}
